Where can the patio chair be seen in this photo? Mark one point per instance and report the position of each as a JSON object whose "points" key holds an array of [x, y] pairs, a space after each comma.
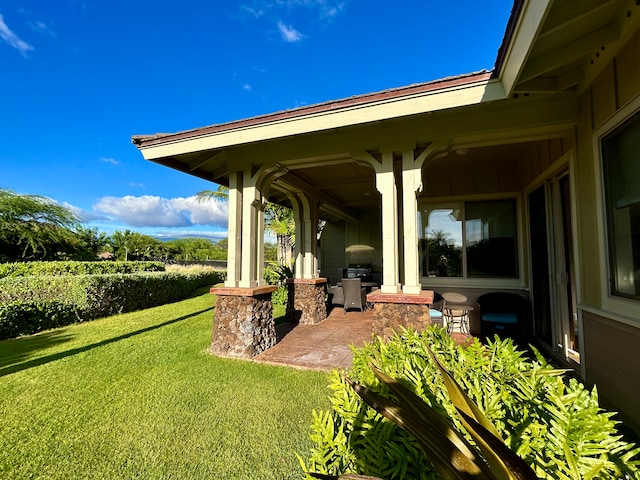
{"points": [[435, 310], [503, 314], [355, 295], [336, 296]]}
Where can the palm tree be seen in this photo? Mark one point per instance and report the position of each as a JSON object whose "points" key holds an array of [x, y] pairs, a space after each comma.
{"points": [[279, 221], [206, 195]]}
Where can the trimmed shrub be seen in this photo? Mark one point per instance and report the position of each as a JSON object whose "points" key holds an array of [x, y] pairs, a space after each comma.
{"points": [[25, 269], [33, 304], [553, 423], [28, 317]]}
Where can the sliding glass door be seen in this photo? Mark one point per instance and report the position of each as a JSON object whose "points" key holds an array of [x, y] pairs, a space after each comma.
{"points": [[552, 272]]}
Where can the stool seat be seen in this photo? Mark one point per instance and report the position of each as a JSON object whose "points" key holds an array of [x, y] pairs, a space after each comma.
{"points": [[496, 317]]}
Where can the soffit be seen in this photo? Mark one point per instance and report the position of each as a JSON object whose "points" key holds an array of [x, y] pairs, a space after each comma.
{"points": [[576, 40]]}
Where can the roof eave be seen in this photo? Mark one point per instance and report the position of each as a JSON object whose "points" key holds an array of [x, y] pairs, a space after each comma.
{"points": [[414, 100]]}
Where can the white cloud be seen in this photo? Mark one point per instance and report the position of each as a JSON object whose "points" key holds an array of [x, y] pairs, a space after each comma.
{"points": [[137, 185], [42, 27], [84, 216], [11, 39], [246, 87], [324, 8], [212, 235], [154, 211], [110, 160], [254, 12], [289, 34]]}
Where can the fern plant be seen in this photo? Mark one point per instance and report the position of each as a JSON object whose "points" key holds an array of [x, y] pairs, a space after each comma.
{"points": [[555, 425]]}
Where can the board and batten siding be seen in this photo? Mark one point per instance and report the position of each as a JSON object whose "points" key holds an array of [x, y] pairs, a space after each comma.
{"points": [[611, 347], [612, 353]]}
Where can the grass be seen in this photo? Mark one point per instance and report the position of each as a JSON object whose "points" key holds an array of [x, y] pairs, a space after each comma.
{"points": [[137, 396]]}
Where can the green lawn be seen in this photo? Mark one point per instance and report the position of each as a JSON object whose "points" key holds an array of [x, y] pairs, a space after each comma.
{"points": [[137, 396]]}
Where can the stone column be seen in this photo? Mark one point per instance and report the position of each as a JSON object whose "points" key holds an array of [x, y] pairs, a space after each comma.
{"points": [[391, 312], [306, 301], [243, 321]]}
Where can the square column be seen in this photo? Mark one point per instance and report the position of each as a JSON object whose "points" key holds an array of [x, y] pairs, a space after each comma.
{"points": [[306, 248], [412, 183], [243, 322], [306, 301], [385, 184], [252, 232], [234, 248], [393, 312]]}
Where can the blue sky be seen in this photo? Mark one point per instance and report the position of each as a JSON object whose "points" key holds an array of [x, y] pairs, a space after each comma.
{"points": [[79, 77]]}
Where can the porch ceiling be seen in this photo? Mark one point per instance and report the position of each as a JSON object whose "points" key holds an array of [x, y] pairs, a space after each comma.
{"points": [[326, 165], [576, 39]]}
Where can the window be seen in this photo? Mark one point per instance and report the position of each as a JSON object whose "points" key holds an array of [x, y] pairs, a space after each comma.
{"points": [[621, 175], [469, 239]]}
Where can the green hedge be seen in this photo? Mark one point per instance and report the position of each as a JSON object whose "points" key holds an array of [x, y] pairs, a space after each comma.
{"points": [[28, 317], [26, 269], [33, 304]]}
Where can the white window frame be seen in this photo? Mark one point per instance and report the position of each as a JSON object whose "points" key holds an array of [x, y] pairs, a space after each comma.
{"points": [[627, 310], [481, 282]]}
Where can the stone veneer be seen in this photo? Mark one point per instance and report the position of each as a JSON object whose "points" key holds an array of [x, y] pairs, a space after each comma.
{"points": [[243, 321], [393, 311], [306, 302]]}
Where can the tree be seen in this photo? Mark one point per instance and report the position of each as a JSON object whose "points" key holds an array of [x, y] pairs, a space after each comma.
{"points": [[280, 221], [222, 193], [130, 244], [33, 227], [89, 242]]}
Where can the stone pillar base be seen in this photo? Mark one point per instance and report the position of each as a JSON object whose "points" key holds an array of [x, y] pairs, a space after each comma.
{"points": [[306, 300], [391, 312], [243, 322]]}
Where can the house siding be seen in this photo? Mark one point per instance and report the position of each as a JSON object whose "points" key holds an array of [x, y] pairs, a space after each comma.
{"points": [[611, 353], [332, 256], [612, 361], [346, 243]]}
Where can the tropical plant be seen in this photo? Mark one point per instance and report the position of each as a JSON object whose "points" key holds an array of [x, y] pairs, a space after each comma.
{"points": [[221, 193], [280, 222], [552, 423], [33, 227], [89, 242]]}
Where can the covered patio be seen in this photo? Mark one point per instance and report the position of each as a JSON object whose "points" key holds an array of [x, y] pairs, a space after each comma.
{"points": [[326, 345], [491, 181]]}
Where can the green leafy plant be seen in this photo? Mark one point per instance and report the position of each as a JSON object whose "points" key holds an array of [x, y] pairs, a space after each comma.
{"points": [[496, 408]]}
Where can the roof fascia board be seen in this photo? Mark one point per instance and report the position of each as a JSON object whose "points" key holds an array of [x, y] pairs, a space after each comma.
{"points": [[528, 26], [455, 96]]}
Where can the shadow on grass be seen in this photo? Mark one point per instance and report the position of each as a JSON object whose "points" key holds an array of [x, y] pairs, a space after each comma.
{"points": [[8, 370], [15, 350]]}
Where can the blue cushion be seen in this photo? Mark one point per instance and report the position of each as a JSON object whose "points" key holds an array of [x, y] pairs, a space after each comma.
{"points": [[500, 317], [435, 313]]}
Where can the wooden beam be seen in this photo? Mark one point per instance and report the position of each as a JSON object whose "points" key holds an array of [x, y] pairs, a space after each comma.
{"points": [[301, 185], [538, 85], [203, 159], [574, 50], [576, 14]]}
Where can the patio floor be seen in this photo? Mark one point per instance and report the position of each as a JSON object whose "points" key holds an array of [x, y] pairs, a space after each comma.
{"points": [[324, 346]]}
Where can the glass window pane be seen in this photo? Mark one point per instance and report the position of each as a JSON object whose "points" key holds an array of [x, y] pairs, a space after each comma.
{"points": [[621, 170], [491, 239], [441, 241]]}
